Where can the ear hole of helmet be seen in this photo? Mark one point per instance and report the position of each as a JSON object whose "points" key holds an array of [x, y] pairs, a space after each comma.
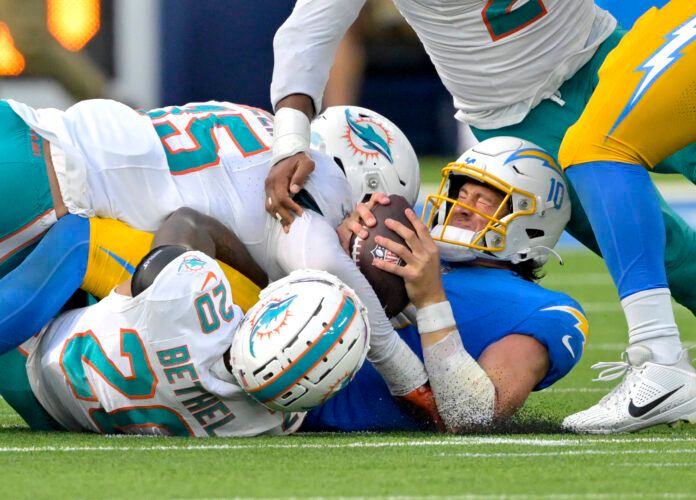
{"points": [[534, 233]]}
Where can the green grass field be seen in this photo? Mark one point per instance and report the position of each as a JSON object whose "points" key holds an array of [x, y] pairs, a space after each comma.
{"points": [[533, 459]]}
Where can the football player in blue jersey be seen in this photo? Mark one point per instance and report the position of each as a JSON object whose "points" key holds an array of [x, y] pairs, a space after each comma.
{"points": [[489, 335]]}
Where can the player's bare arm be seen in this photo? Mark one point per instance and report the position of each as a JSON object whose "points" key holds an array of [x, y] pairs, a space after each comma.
{"points": [[192, 229], [58, 204], [515, 364], [291, 161], [296, 93]]}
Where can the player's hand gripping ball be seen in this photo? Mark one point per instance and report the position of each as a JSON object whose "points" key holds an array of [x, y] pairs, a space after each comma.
{"points": [[301, 343], [390, 288]]}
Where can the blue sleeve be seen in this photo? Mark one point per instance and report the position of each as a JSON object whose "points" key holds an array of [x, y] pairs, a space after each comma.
{"points": [[33, 293], [563, 330]]}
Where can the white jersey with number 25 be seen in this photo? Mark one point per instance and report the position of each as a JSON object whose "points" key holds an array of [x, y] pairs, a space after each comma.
{"points": [[140, 166]]}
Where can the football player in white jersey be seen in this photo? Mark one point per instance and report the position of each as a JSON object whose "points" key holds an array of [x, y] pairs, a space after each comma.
{"points": [[522, 69], [138, 167], [148, 363], [533, 49]]}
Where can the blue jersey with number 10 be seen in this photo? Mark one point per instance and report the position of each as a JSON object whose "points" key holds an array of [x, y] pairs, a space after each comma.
{"points": [[488, 304]]}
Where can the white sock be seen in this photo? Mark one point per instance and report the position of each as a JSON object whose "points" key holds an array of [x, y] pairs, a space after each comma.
{"points": [[651, 323]]}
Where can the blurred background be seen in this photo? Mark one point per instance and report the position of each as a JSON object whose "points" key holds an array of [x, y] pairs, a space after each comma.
{"points": [[149, 53]]}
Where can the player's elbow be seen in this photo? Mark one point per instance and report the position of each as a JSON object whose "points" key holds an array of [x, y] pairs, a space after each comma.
{"points": [[473, 410], [187, 216]]}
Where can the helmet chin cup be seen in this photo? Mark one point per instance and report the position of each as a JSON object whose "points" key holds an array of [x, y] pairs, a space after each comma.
{"points": [[453, 252]]}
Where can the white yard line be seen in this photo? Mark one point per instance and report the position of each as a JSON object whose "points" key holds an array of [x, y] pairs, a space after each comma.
{"points": [[568, 453], [574, 390], [473, 496], [655, 464], [455, 441]]}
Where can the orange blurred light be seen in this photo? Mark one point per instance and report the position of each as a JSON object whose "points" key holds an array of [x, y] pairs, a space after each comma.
{"points": [[73, 22], [11, 60]]}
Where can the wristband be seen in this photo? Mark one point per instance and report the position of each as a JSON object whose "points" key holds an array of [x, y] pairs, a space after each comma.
{"points": [[435, 317], [290, 134]]}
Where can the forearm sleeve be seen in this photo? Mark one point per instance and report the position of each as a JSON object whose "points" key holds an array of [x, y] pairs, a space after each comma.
{"points": [[33, 293], [464, 393], [305, 45]]}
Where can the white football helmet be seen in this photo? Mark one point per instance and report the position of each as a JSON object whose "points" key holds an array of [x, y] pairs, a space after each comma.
{"points": [[529, 220], [301, 343], [374, 154]]}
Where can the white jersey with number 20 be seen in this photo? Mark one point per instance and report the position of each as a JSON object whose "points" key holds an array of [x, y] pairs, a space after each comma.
{"points": [[151, 364]]}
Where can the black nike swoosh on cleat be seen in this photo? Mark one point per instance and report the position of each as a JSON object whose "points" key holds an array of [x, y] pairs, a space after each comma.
{"points": [[639, 411]]}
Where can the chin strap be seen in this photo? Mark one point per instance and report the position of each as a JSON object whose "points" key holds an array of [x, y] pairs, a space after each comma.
{"points": [[540, 252], [451, 252]]}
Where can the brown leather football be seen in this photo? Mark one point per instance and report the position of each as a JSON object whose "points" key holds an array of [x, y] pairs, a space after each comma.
{"points": [[390, 288]]}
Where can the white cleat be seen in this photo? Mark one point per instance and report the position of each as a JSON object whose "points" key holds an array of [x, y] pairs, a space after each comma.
{"points": [[650, 394]]}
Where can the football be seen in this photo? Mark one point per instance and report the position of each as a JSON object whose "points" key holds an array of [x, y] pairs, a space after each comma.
{"points": [[390, 288]]}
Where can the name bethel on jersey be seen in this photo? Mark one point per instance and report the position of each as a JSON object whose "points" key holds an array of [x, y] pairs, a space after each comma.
{"points": [[151, 364]]}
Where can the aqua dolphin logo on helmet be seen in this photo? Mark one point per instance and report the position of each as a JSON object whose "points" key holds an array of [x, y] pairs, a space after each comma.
{"points": [[372, 142], [272, 318]]}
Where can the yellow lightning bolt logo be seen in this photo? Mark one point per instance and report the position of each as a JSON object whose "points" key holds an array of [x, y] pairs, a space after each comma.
{"points": [[582, 325], [539, 154]]}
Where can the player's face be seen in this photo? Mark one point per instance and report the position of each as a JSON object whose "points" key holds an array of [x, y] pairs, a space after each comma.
{"points": [[483, 198]]}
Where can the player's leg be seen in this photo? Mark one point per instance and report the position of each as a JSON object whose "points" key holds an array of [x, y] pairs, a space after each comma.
{"points": [[16, 391], [681, 238], [611, 143], [640, 113], [546, 125], [33, 293], [92, 254], [515, 365], [24, 190]]}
